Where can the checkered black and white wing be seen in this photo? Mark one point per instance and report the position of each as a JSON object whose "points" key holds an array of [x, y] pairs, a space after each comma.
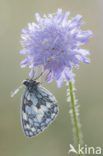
{"points": [[39, 109]]}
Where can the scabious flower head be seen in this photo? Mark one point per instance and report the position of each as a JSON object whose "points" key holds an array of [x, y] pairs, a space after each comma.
{"points": [[54, 43]]}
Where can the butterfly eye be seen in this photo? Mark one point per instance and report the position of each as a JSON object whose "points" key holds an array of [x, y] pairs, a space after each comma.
{"points": [[26, 82]]}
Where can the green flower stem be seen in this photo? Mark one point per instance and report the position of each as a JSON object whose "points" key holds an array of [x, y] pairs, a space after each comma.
{"points": [[75, 116]]}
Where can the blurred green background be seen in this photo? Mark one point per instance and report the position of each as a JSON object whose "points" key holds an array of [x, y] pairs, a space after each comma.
{"points": [[14, 15]]}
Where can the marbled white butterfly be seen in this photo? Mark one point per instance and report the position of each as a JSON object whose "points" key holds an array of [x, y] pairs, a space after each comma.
{"points": [[39, 108]]}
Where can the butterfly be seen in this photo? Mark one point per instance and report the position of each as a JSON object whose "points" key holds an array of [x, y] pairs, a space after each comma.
{"points": [[39, 108]]}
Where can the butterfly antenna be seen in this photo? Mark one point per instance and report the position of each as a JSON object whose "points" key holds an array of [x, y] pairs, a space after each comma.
{"points": [[46, 77], [39, 76]]}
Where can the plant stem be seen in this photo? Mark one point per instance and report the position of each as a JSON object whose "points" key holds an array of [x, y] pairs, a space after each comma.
{"points": [[75, 116]]}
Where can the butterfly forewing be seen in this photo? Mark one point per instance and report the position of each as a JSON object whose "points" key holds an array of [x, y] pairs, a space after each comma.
{"points": [[39, 109]]}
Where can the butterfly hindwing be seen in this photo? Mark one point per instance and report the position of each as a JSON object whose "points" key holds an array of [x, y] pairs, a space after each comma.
{"points": [[39, 109]]}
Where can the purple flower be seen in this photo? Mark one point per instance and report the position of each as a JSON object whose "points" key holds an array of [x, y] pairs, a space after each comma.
{"points": [[54, 44]]}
